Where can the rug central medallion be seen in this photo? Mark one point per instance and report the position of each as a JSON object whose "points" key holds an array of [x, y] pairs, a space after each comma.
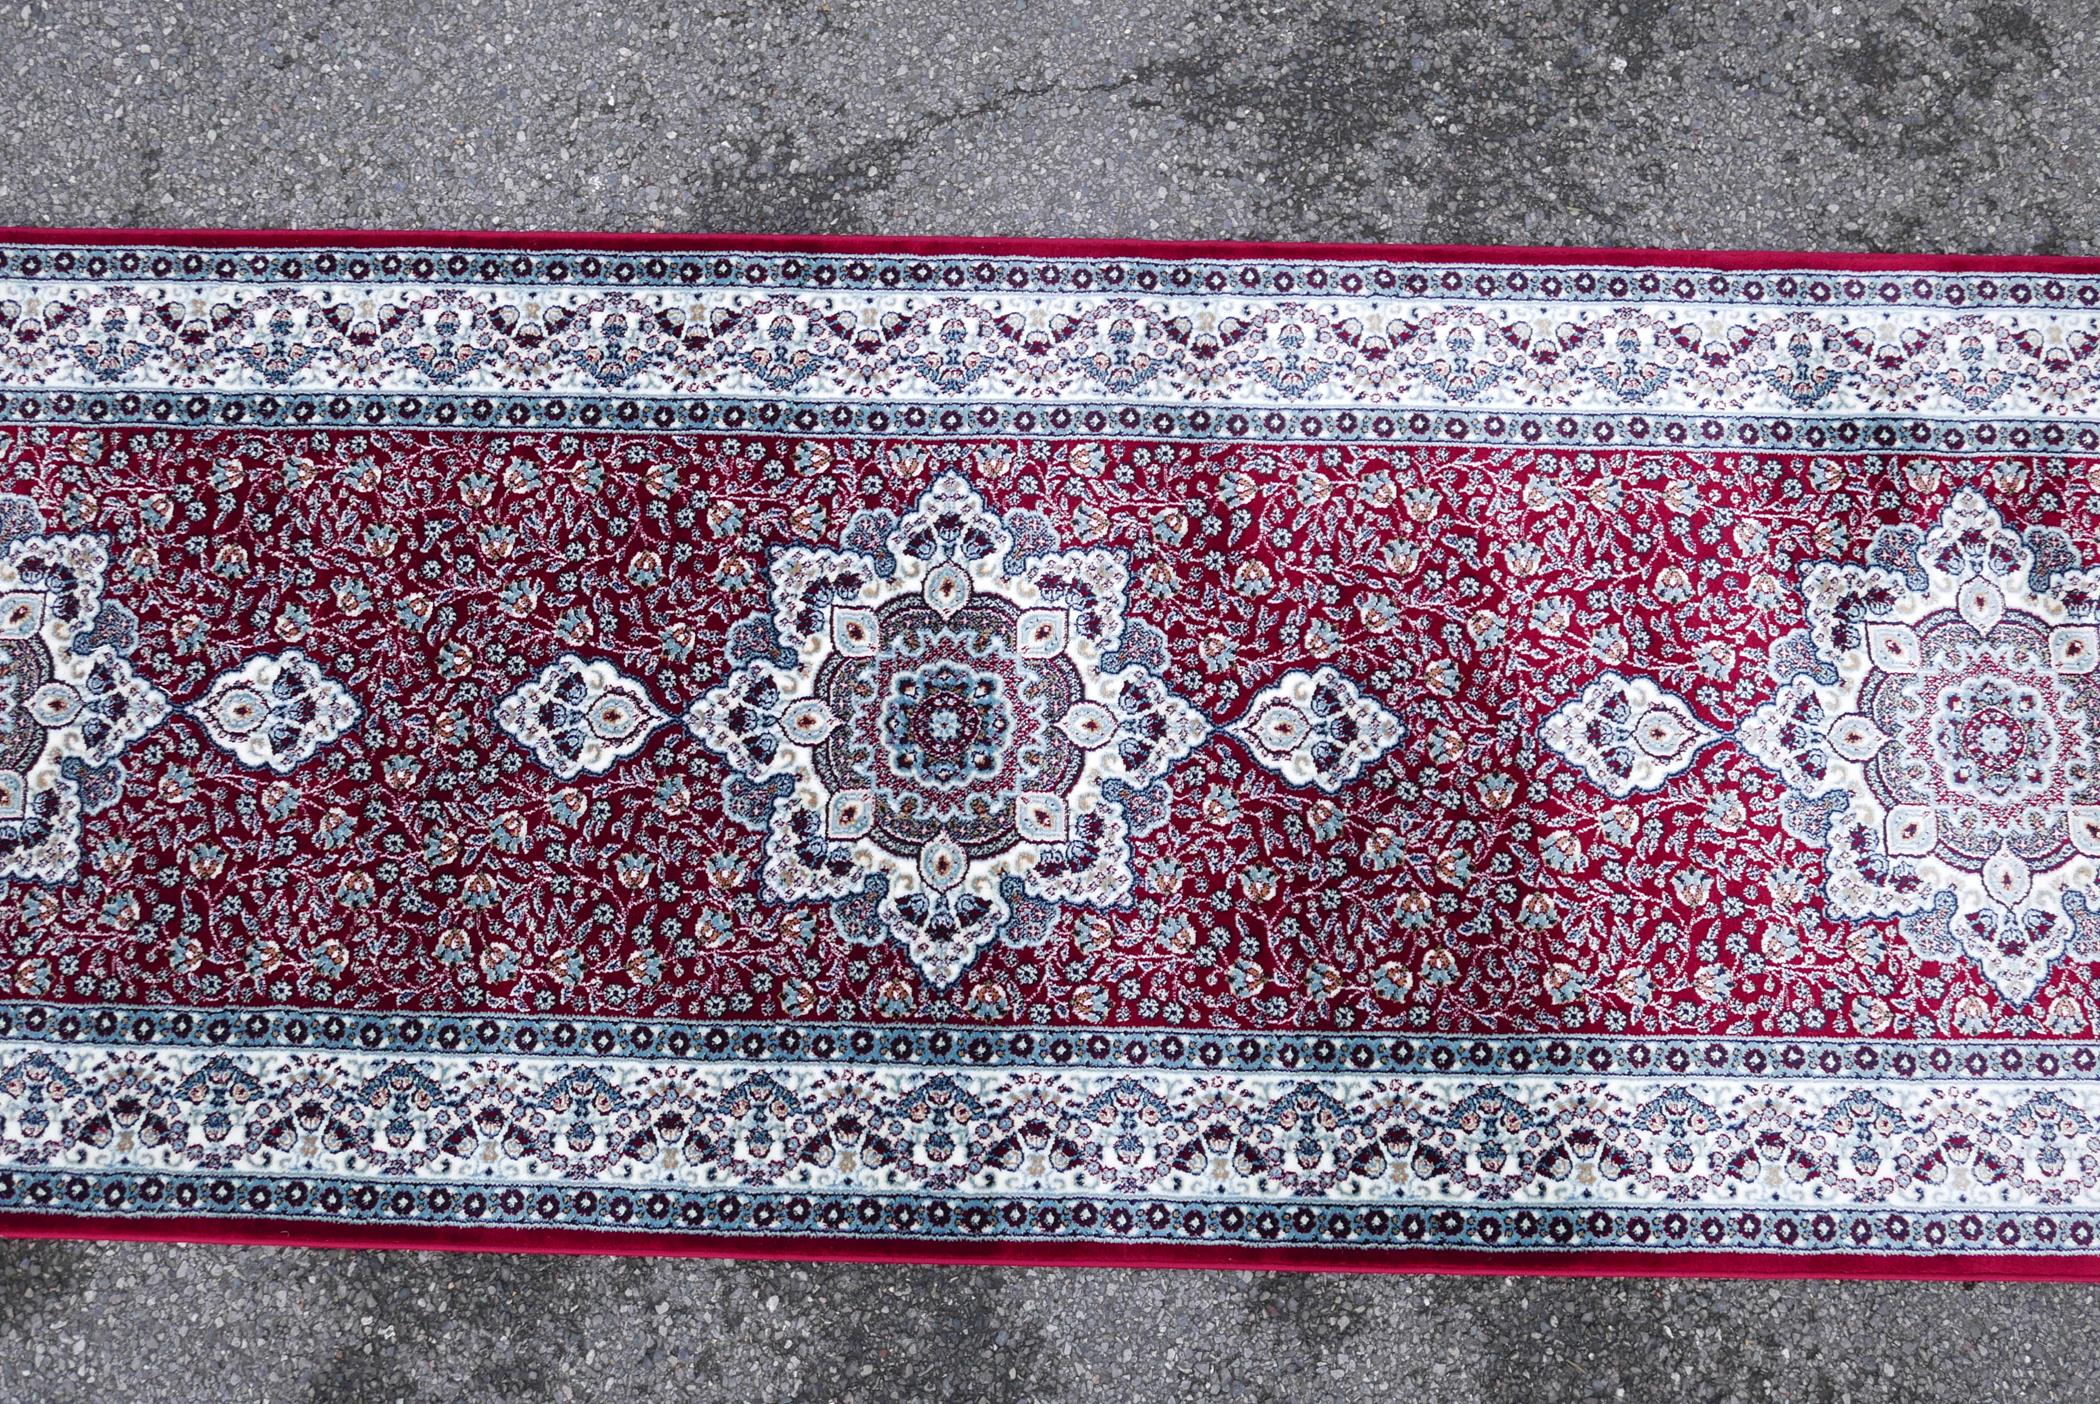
{"points": [[1939, 740], [950, 726]]}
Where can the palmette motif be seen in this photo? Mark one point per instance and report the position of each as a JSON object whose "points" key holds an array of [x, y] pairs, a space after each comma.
{"points": [[579, 718], [1303, 752], [276, 712]]}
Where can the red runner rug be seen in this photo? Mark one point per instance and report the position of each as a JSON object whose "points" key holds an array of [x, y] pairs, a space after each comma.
{"points": [[1499, 760]]}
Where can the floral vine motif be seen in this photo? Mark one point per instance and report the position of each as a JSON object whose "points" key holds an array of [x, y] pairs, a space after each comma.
{"points": [[947, 737], [69, 703], [1937, 728]]}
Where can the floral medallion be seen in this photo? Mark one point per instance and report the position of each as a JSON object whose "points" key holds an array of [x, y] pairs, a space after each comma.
{"points": [[948, 733], [273, 713], [1938, 728], [69, 702]]}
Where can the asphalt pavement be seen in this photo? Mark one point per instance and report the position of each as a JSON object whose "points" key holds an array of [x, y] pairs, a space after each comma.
{"points": [[1890, 126]]}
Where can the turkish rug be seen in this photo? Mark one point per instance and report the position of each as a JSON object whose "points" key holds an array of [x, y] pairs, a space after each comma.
{"points": [[1488, 760]]}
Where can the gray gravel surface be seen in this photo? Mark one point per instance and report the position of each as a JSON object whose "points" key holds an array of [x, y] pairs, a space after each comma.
{"points": [[1920, 126]]}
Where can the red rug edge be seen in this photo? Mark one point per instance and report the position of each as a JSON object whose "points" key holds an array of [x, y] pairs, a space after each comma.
{"points": [[1455, 1262], [940, 245]]}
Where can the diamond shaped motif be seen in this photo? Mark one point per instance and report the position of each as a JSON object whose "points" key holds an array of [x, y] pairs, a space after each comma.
{"points": [[275, 712], [580, 717]]}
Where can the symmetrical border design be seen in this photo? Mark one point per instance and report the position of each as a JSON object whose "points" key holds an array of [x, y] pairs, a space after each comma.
{"points": [[2019, 1119], [1267, 346], [1960, 1150]]}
